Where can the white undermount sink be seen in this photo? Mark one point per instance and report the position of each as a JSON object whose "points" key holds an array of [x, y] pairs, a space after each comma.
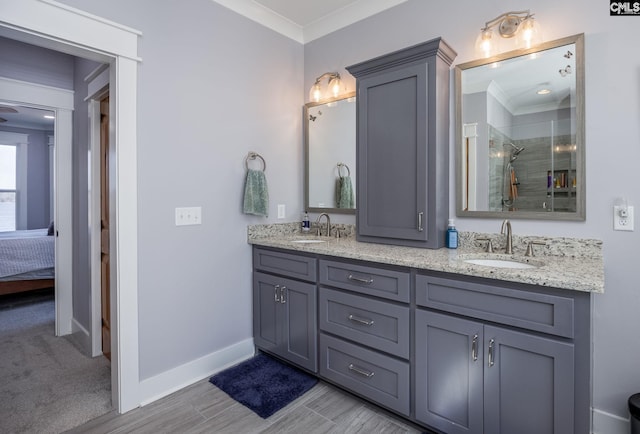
{"points": [[500, 263], [310, 241]]}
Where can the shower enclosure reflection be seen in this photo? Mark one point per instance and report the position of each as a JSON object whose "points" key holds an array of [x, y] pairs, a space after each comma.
{"points": [[532, 173]]}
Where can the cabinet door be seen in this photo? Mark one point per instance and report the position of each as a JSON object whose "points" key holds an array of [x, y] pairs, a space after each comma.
{"points": [[529, 387], [300, 329], [449, 373], [392, 140], [266, 311]]}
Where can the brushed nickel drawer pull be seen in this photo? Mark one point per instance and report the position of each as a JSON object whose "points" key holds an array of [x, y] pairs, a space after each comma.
{"points": [[367, 322], [360, 280], [282, 290], [491, 355], [276, 292], [420, 215], [474, 348], [360, 371]]}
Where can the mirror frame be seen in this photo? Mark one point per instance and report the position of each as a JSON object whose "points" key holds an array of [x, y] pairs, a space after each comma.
{"points": [[305, 115], [580, 213]]}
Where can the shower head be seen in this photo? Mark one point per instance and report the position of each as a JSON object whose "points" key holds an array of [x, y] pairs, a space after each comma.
{"points": [[516, 150]]}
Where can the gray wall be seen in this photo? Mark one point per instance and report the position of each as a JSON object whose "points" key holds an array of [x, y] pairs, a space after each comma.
{"points": [[212, 86], [612, 113]]}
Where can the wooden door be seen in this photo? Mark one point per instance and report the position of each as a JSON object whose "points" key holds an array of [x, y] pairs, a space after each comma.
{"points": [[105, 283]]}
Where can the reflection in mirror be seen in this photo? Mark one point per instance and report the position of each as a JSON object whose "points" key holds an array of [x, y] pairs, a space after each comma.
{"points": [[330, 149], [520, 133]]}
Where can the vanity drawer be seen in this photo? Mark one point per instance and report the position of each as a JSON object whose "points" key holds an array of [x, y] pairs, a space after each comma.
{"points": [[286, 264], [375, 376], [377, 324], [533, 311], [381, 282]]}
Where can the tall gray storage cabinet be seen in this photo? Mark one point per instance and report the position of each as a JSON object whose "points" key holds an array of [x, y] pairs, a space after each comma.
{"points": [[403, 146]]}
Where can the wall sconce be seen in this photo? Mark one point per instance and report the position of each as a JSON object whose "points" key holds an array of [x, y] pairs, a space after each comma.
{"points": [[518, 25], [333, 87]]}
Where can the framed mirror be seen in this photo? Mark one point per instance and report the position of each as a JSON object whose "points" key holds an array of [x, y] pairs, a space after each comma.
{"points": [[520, 145], [330, 155]]}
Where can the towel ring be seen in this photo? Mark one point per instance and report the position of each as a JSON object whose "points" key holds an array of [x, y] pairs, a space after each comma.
{"points": [[253, 156], [341, 165]]}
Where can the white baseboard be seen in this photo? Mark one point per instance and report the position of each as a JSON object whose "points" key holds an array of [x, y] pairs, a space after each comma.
{"points": [[82, 336], [607, 423], [154, 388]]}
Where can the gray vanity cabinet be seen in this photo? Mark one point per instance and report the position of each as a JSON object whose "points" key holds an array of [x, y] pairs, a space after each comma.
{"points": [[403, 146], [473, 376], [284, 309], [364, 339]]}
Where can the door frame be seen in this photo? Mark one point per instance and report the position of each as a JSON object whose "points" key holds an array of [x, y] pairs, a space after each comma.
{"points": [[56, 26], [59, 101]]}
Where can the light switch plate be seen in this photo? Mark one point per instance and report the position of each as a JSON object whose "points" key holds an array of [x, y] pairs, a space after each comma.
{"points": [[188, 216], [281, 211]]}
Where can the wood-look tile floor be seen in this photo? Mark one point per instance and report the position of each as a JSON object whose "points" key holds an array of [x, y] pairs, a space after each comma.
{"points": [[203, 408]]}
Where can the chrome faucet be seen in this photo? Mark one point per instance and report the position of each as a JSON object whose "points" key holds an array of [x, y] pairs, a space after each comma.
{"points": [[328, 234], [509, 247]]}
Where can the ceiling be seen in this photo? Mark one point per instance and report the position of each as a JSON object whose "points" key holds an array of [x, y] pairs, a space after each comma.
{"points": [[306, 20], [25, 117]]}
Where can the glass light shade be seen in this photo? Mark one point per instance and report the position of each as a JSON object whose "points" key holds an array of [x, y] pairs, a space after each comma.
{"points": [[315, 94], [529, 33], [486, 44], [334, 86]]}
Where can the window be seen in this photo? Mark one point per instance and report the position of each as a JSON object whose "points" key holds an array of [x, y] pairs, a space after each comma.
{"points": [[7, 188]]}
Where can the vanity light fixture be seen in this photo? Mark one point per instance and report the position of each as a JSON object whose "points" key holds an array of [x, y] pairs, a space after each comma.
{"points": [[333, 87], [519, 25]]}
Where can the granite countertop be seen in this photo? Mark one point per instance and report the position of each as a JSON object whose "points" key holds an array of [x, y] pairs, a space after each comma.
{"points": [[567, 263]]}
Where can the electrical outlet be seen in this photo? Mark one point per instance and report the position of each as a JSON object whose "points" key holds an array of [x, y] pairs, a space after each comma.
{"points": [[188, 216], [622, 218], [281, 211]]}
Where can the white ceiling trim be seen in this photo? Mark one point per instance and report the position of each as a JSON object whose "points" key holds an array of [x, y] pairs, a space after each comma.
{"points": [[324, 25], [266, 17], [345, 16]]}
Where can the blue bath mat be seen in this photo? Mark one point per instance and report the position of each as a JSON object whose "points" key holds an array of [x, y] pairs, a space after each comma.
{"points": [[263, 384]]}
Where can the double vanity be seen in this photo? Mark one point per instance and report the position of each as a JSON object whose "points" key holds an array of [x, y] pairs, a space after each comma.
{"points": [[494, 337], [454, 340]]}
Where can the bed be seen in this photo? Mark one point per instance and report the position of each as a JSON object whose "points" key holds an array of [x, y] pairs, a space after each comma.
{"points": [[26, 261]]}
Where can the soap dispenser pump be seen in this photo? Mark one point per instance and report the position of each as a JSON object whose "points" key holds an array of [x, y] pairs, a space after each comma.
{"points": [[452, 235]]}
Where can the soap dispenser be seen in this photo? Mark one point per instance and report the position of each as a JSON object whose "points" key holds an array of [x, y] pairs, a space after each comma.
{"points": [[452, 235], [306, 224]]}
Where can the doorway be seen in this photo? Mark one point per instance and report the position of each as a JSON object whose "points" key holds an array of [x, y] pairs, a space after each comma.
{"points": [[63, 28]]}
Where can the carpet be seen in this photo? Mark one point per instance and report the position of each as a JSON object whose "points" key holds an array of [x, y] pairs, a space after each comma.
{"points": [[263, 384], [46, 384]]}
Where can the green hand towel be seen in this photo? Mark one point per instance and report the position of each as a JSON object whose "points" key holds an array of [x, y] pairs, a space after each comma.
{"points": [[256, 194], [344, 192]]}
